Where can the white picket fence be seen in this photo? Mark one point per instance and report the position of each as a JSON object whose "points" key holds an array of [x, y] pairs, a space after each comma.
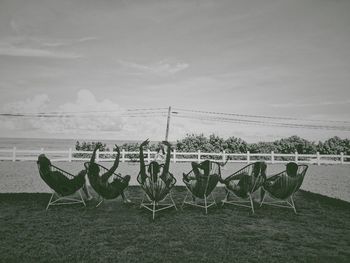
{"points": [[15, 154]]}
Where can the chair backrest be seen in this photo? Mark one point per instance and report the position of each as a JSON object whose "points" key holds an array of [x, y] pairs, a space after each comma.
{"points": [[301, 171], [204, 183], [156, 187], [287, 182], [62, 182], [251, 177], [104, 189]]}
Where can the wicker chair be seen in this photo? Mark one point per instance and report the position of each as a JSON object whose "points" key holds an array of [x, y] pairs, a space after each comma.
{"points": [[156, 190], [201, 186], [63, 183], [243, 183], [282, 186], [106, 190]]}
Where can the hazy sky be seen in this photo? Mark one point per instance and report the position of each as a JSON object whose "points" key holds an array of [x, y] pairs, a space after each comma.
{"points": [[264, 57]]}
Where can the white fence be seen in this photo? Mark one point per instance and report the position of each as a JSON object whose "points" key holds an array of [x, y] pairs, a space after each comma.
{"points": [[15, 154]]}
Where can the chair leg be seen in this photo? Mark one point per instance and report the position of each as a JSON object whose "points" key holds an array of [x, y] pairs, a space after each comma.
{"points": [[205, 203], [293, 204], [49, 203], [183, 203], [251, 202], [143, 199], [154, 209], [212, 196], [172, 200], [99, 202], [262, 196], [226, 198], [82, 199]]}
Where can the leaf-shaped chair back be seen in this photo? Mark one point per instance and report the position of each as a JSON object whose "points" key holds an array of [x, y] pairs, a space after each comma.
{"points": [[287, 182], [204, 183], [105, 189], [156, 186], [62, 182]]}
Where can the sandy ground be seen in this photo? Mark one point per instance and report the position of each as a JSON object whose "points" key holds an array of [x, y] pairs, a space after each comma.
{"points": [[23, 176]]}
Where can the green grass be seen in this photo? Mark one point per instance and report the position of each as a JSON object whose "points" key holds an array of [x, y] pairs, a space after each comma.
{"points": [[115, 232]]}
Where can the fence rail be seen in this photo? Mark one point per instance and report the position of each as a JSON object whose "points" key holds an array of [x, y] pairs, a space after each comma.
{"points": [[70, 155]]}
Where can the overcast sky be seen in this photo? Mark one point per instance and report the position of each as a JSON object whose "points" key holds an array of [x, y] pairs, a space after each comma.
{"points": [[265, 57]]}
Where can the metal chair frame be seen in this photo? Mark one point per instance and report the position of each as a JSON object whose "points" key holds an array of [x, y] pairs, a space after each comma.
{"points": [[237, 200], [101, 198], [152, 205], [56, 199], [286, 202], [205, 204]]}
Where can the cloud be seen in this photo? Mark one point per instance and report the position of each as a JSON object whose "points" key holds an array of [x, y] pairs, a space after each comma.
{"points": [[158, 68], [64, 42], [7, 49], [86, 115], [36, 104], [316, 104]]}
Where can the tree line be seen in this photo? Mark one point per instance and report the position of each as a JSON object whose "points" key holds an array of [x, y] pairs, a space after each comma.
{"points": [[214, 143]]}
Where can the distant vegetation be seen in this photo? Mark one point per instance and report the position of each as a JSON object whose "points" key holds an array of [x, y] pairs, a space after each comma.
{"points": [[213, 143]]}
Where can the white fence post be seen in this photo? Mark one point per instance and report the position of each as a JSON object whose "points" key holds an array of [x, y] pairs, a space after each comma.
{"points": [[70, 155], [199, 155], [97, 155], [123, 155], [296, 157], [272, 157], [318, 158], [148, 156], [14, 154], [248, 157], [41, 150], [174, 155], [223, 156], [341, 157]]}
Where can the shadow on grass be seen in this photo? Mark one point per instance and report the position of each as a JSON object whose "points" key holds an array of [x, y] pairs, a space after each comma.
{"points": [[115, 232]]}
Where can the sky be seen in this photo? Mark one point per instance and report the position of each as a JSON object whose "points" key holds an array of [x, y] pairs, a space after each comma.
{"points": [[99, 59]]}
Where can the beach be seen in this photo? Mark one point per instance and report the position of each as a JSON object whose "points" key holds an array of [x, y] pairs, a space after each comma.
{"points": [[23, 177]]}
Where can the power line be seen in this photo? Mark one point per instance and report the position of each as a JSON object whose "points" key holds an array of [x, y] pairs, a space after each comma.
{"points": [[60, 113], [263, 123], [257, 116], [189, 114], [147, 109], [14, 115]]}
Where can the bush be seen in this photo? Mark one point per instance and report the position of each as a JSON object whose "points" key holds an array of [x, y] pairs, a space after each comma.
{"points": [[216, 144], [89, 146]]}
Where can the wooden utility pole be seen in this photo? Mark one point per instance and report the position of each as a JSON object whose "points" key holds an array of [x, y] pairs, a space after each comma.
{"points": [[167, 124]]}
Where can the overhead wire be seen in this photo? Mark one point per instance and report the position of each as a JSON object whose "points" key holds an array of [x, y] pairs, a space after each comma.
{"points": [[268, 124], [257, 116], [274, 121], [259, 122]]}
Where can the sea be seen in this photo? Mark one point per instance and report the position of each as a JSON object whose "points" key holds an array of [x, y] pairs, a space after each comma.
{"points": [[51, 144]]}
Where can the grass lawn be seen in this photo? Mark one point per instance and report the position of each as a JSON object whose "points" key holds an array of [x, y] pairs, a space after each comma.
{"points": [[115, 232]]}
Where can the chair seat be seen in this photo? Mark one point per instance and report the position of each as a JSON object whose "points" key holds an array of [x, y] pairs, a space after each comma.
{"points": [[110, 189]]}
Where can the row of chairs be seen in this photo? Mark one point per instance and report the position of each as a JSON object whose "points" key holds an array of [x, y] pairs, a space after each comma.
{"points": [[242, 184], [239, 186]]}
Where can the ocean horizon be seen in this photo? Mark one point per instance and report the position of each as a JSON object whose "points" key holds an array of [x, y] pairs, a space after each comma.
{"points": [[54, 143]]}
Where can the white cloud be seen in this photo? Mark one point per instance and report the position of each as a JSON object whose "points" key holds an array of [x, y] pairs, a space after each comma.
{"points": [[85, 116], [36, 104], [64, 42], [321, 103], [7, 49], [158, 68]]}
